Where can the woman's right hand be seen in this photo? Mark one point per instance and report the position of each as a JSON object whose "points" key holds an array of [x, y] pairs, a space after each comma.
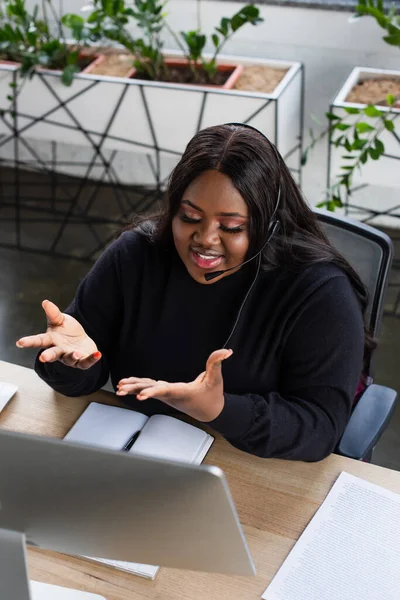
{"points": [[65, 340]]}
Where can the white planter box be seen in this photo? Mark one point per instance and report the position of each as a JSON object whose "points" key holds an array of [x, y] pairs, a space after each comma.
{"points": [[148, 124], [383, 172]]}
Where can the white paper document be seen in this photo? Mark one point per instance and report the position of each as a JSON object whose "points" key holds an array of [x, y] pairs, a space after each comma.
{"points": [[350, 550]]}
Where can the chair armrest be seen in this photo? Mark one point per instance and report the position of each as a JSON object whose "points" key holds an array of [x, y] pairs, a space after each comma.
{"points": [[368, 421]]}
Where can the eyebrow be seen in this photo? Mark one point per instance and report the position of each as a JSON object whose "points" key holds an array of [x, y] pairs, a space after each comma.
{"points": [[221, 214]]}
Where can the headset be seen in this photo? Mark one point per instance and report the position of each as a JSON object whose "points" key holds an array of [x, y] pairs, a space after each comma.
{"points": [[272, 229], [273, 226]]}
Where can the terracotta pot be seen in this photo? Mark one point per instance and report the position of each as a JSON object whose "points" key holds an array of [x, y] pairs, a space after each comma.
{"points": [[236, 71], [97, 59], [9, 62]]}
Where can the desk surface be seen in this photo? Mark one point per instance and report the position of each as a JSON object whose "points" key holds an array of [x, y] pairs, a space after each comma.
{"points": [[275, 500]]}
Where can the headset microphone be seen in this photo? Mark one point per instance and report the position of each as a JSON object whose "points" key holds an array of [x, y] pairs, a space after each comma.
{"points": [[214, 274]]}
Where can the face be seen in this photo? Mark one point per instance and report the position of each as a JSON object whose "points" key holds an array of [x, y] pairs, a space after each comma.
{"points": [[211, 229]]}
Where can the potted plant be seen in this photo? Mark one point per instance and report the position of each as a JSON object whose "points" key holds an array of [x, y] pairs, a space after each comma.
{"points": [[110, 20], [27, 41], [364, 130], [133, 130]]}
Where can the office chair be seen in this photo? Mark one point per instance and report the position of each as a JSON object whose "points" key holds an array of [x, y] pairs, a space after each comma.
{"points": [[370, 252]]}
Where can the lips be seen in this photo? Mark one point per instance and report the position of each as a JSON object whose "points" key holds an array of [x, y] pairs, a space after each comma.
{"points": [[206, 261]]}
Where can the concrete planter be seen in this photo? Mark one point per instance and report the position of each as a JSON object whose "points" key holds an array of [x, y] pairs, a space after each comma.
{"points": [[365, 202], [147, 123], [125, 133]]}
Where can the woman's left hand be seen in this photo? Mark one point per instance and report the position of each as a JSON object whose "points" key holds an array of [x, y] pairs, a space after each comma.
{"points": [[201, 399]]}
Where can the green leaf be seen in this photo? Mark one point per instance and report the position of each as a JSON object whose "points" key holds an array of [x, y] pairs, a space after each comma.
{"points": [[347, 168], [347, 145], [224, 26], [338, 141], [364, 157], [337, 201], [393, 40], [250, 11], [94, 16], [363, 127], [342, 126], [73, 21], [372, 111], [68, 74], [331, 116], [322, 204], [304, 157], [358, 144], [351, 110], [330, 205], [374, 154], [389, 125], [379, 146], [215, 40], [237, 21], [390, 99]]}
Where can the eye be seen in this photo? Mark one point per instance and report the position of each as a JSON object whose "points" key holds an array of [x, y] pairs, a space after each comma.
{"points": [[186, 219], [238, 229]]}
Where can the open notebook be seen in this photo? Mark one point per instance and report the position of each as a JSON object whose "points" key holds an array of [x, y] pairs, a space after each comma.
{"points": [[158, 436]]}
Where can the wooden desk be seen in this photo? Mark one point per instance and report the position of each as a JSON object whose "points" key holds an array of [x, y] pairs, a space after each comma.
{"points": [[275, 500]]}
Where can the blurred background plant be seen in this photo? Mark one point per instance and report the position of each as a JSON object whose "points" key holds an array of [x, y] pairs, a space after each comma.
{"points": [[359, 131]]}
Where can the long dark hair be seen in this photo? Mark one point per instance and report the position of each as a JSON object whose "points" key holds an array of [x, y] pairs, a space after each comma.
{"points": [[257, 171]]}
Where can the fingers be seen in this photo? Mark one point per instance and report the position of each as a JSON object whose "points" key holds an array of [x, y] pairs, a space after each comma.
{"points": [[213, 366], [70, 359], [215, 359], [130, 380], [53, 313], [42, 340], [145, 388], [165, 391], [133, 385], [87, 362], [52, 354]]}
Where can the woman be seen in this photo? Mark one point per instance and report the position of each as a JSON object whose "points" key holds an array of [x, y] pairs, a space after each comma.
{"points": [[291, 316]]}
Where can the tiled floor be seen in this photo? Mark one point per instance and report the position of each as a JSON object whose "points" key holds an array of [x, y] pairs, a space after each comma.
{"points": [[26, 279]]}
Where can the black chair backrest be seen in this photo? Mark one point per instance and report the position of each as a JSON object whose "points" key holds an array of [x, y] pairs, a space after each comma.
{"points": [[370, 253]]}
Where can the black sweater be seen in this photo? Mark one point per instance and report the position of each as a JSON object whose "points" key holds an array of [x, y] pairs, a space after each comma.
{"points": [[298, 345]]}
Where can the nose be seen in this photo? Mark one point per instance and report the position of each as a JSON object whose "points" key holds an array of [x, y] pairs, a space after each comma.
{"points": [[206, 235]]}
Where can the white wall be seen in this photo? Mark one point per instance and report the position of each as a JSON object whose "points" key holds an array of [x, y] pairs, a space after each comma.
{"points": [[323, 40]]}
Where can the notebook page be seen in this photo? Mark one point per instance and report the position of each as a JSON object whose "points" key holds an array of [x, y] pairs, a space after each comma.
{"points": [[110, 427], [349, 550], [106, 426], [170, 438]]}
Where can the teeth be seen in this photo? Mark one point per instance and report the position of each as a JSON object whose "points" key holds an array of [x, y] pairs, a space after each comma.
{"points": [[207, 256]]}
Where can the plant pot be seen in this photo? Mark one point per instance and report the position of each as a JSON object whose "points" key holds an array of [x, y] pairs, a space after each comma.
{"points": [[96, 60], [233, 73], [382, 172], [9, 62], [148, 123]]}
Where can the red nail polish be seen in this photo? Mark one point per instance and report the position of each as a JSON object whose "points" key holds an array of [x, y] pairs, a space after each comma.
{"points": [[97, 355]]}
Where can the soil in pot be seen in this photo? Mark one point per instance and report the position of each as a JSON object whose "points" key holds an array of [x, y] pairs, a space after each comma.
{"points": [[374, 91], [260, 78], [183, 74], [255, 78], [115, 63]]}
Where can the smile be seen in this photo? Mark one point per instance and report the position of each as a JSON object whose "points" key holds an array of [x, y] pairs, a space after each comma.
{"points": [[206, 261]]}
